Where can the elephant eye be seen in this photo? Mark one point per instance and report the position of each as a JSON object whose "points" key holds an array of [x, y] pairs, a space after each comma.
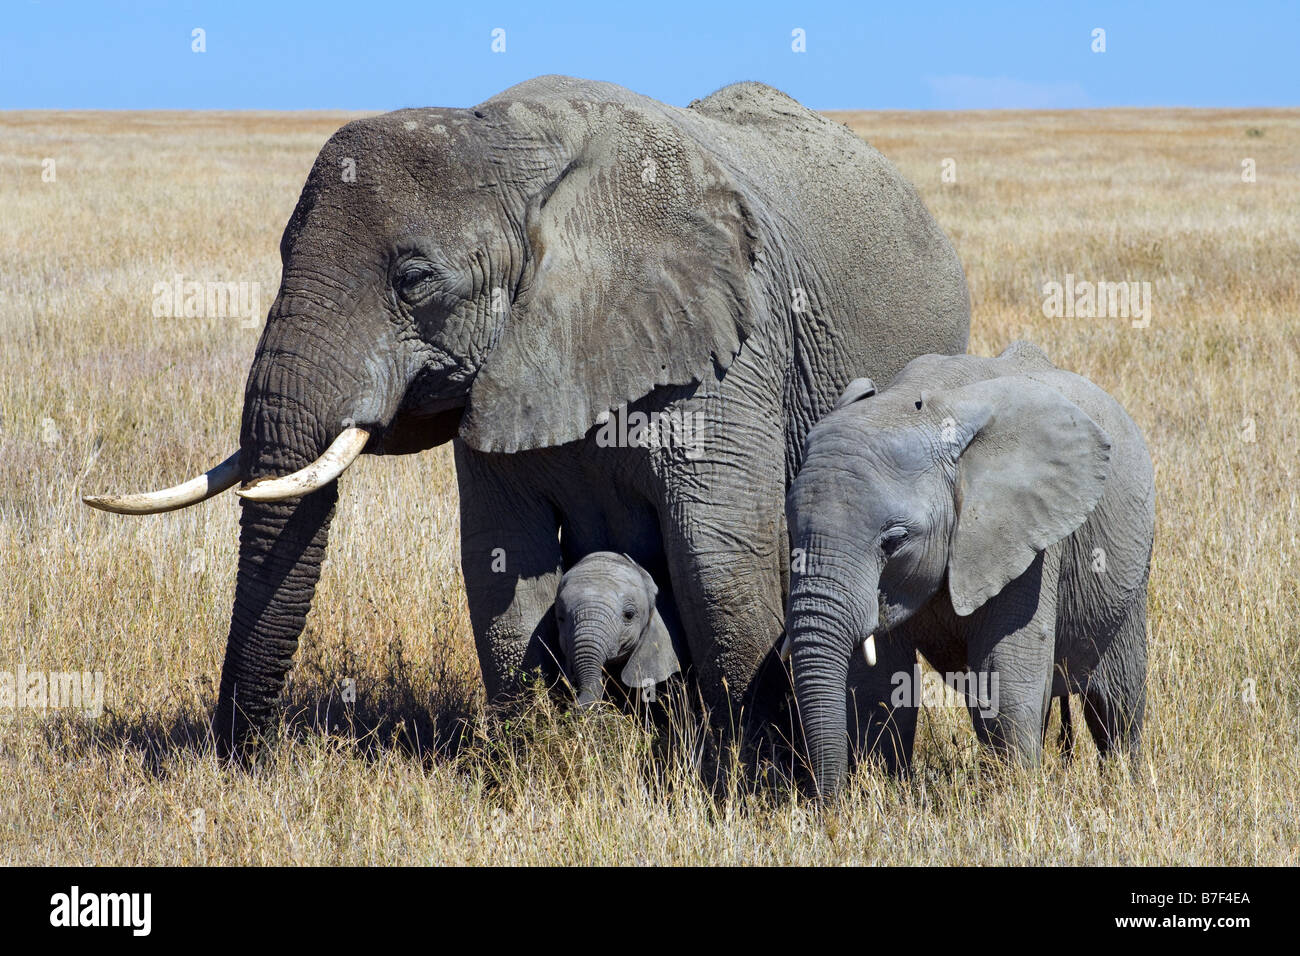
{"points": [[413, 276], [629, 613], [892, 538]]}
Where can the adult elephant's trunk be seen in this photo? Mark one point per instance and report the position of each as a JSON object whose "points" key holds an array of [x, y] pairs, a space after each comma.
{"points": [[281, 547], [302, 404], [589, 651], [828, 617]]}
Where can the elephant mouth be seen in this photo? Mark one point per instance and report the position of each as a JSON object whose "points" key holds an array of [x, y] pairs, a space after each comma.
{"points": [[416, 430], [891, 611]]}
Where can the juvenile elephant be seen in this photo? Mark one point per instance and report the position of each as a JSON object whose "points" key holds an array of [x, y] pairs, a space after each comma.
{"points": [[996, 515], [606, 614], [624, 315]]}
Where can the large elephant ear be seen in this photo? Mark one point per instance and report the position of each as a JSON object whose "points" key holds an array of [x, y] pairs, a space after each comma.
{"points": [[1031, 468], [642, 255]]}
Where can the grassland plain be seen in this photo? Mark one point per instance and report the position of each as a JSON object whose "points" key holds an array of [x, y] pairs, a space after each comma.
{"points": [[98, 394]]}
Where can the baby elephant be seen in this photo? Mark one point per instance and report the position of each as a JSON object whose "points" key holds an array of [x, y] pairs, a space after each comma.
{"points": [[605, 609], [996, 515]]}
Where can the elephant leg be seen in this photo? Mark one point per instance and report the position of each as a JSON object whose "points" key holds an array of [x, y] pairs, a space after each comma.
{"points": [[730, 605], [1010, 644], [1065, 739], [511, 561], [1114, 696], [724, 537], [879, 726]]}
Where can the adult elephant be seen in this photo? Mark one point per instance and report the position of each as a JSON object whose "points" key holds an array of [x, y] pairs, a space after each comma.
{"points": [[503, 277]]}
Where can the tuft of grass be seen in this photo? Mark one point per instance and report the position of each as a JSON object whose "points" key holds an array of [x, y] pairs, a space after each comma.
{"points": [[96, 394]]}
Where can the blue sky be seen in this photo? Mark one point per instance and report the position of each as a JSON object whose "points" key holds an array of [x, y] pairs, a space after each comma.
{"points": [[375, 54]]}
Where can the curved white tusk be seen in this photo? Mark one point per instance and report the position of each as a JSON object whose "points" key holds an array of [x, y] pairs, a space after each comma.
{"points": [[336, 459], [210, 483], [869, 650], [787, 648]]}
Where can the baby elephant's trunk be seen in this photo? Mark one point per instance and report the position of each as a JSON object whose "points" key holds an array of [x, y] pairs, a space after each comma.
{"points": [[589, 641]]}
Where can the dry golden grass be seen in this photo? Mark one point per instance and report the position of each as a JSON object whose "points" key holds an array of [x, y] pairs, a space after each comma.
{"points": [[99, 395]]}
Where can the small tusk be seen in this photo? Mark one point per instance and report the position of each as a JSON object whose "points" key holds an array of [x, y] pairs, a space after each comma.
{"points": [[336, 459], [210, 483], [787, 648], [869, 650]]}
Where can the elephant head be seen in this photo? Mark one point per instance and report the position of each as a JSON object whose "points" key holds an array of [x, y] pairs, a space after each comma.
{"points": [[903, 491], [606, 615], [505, 273]]}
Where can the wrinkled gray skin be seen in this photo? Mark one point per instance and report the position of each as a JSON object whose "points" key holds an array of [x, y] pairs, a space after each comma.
{"points": [[606, 615], [501, 276], [996, 515]]}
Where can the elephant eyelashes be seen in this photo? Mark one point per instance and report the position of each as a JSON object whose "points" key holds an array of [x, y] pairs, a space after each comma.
{"points": [[414, 282], [418, 281], [891, 539]]}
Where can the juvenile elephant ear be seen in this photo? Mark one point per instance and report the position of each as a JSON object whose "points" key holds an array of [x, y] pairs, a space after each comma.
{"points": [[651, 588], [641, 259], [856, 390], [1032, 467], [654, 660]]}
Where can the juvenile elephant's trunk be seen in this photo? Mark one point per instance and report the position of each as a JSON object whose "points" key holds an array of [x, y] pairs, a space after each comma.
{"points": [[588, 665], [825, 622], [820, 677]]}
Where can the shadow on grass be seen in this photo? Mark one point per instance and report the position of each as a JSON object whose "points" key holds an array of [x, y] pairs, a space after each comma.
{"points": [[429, 717], [429, 712], [433, 712]]}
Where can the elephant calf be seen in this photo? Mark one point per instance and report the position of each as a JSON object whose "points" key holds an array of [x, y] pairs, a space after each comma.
{"points": [[995, 514], [606, 616]]}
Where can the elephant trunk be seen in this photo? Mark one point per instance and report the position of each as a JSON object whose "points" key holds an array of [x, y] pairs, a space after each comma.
{"points": [[589, 642], [281, 548], [301, 394], [825, 623]]}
